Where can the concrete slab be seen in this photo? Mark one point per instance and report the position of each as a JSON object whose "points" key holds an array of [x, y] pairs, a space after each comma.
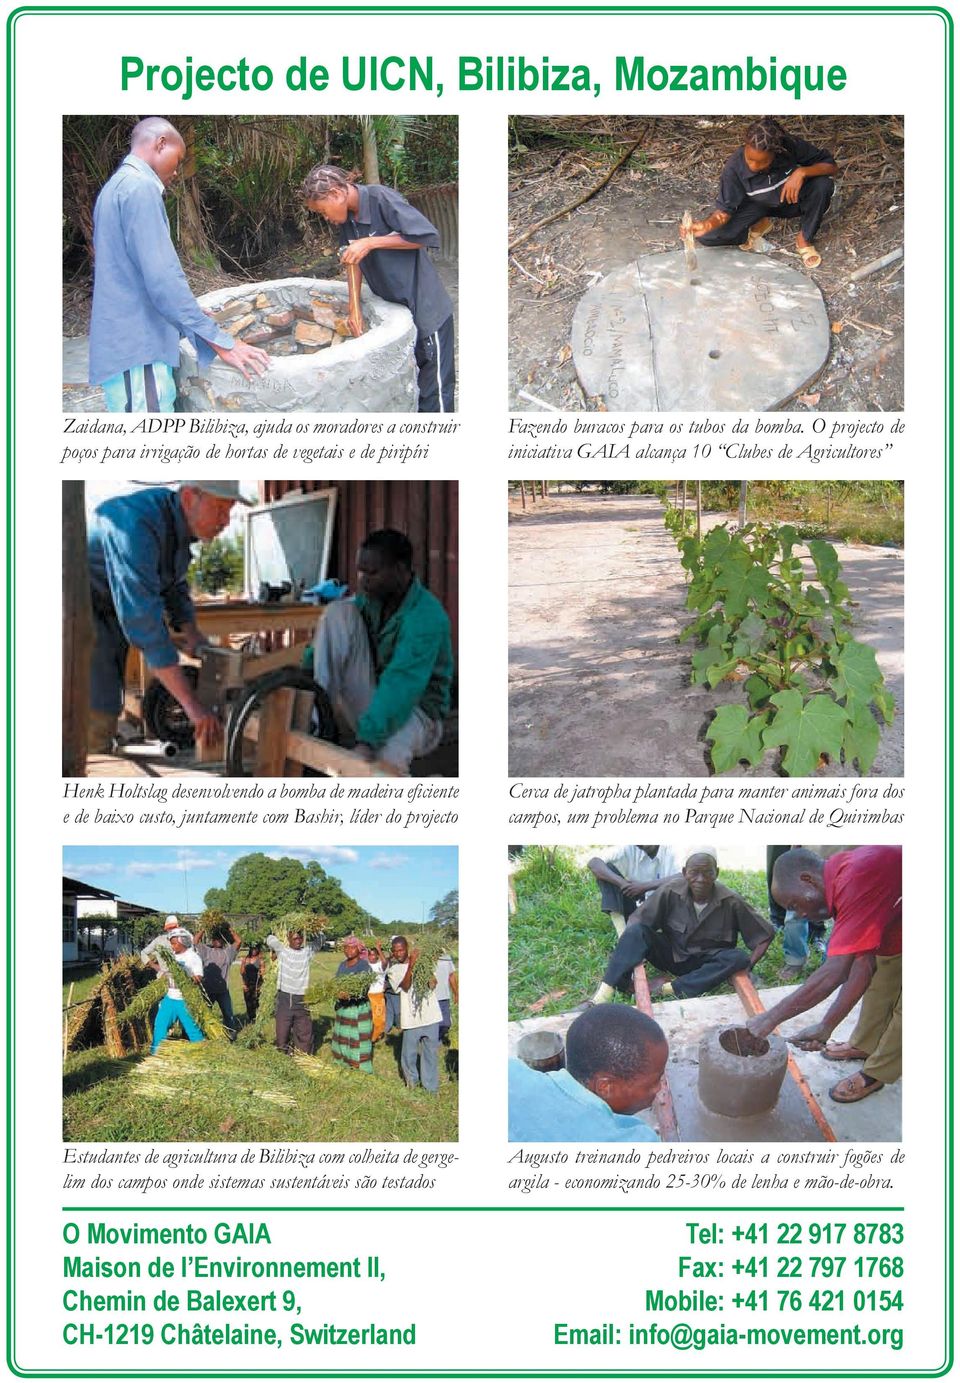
{"points": [[741, 332], [875, 1120]]}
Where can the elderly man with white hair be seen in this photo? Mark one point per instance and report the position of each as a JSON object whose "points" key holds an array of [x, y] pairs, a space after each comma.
{"points": [[690, 929]]}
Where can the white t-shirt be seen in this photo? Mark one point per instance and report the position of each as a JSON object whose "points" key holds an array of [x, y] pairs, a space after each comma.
{"points": [[189, 960], [634, 863], [412, 1014], [445, 968], [379, 970]]}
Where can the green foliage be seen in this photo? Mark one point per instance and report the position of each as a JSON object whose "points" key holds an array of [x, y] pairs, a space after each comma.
{"points": [[430, 946], [811, 688], [218, 567], [446, 911], [274, 888], [144, 1000], [262, 1031], [328, 991]]}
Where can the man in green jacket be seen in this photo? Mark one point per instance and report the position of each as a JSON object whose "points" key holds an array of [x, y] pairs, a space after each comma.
{"points": [[385, 657]]}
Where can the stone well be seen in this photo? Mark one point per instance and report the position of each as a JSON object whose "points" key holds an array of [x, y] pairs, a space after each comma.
{"points": [[374, 373]]}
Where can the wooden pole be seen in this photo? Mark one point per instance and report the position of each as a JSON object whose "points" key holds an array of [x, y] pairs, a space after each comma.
{"points": [[742, 515], [77, 635], [663, 1101], [753, 1004], [699, 510], [66, 1011]]}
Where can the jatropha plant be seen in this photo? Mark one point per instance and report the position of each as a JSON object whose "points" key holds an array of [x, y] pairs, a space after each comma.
{"points": [[810, 688]]}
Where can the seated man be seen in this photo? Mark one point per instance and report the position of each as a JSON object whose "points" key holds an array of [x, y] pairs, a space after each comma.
{"points": [[627, 873], [385, 658], [615, 1058], [690, 929]]}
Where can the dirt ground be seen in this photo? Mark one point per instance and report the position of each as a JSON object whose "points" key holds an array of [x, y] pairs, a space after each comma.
{"points": [[675, 169], [599, 686]]}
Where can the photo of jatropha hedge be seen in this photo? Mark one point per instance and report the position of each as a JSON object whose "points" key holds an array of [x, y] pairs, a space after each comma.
{"points": [[706, 627]]}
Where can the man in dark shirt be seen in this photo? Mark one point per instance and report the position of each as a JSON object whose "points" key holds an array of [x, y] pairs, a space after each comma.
{"points": [[773, 175], [690, 929], [862, 891], [388, 238]]}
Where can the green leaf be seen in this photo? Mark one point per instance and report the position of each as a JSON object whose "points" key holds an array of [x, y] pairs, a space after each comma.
{"points": [[736, 735], [808, 730], [718, 671], [787, 538], [715, 546], [858, 674], [758, 691], [861, 738], [885, 705], [753, 634], [825, 560], [740, 585]]}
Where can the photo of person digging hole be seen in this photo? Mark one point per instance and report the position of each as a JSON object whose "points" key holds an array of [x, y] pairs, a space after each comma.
{"points": [[260, 995], [260, 629], [706, 263], [260, 264], [648, 985], [697, 628]]}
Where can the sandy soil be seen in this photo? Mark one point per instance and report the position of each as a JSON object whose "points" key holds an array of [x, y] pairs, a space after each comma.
{"points": [[599, 686]]}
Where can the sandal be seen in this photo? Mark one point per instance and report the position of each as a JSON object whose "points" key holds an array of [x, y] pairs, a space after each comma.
{"points": [[842, 1051], [855, 1088], [757, 231], [809, 256]]}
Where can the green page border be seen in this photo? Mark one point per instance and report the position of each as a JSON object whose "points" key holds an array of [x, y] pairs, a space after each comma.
{"points": [[455, 10]]}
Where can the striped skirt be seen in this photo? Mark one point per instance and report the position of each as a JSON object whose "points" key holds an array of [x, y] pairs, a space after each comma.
{"points": [[353, 1035]]}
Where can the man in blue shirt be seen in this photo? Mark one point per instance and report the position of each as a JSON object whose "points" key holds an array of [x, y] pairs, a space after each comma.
{"points": [[615, 1058], [138, 551], [388, 238], [142, 303]]}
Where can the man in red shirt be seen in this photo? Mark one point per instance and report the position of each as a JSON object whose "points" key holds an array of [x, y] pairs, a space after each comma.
{"points": [[862, 890]]}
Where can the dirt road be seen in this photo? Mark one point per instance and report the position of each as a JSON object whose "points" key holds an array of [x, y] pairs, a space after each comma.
{"points": [[599, 686]]}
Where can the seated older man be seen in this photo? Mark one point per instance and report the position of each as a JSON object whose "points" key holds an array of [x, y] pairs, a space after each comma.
{"points": [[690, 929]]}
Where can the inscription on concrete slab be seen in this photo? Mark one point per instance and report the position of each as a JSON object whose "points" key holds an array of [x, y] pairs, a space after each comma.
{"points": [[740, 332]]}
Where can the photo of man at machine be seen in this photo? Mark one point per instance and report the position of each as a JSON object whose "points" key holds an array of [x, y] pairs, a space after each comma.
{"points": [[196, 638]]}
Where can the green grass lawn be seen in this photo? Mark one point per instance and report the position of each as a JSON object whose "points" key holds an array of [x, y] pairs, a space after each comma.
{"points": [[219, 1092], [560, 940]]}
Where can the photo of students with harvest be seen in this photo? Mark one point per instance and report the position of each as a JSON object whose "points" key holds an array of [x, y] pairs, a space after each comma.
{"points": [[259, 263], [719, 628], [284, 1010]]}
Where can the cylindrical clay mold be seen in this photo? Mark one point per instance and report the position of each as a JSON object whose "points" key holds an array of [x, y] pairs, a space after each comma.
{"points": [[740, 1074]]}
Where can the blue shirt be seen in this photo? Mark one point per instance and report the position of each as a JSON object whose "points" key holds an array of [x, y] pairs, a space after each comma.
{"points": [[138, 549], [142, 303], [552, 1107], [399, 276]]}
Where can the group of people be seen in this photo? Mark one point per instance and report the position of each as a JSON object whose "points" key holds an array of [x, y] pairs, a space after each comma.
{"points": [[360, 1020], [143, 305], [689, 927]]}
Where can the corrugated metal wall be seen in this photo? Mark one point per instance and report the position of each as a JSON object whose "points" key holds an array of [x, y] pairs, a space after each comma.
{"points": [[426, 510]]}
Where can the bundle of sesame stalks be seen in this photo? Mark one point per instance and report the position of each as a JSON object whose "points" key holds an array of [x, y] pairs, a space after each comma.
{"points": [[203, 1013], [263, 1028], [430, 946], [160, 1077], [144, 1000], [340, 987], [313, 1067]]}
